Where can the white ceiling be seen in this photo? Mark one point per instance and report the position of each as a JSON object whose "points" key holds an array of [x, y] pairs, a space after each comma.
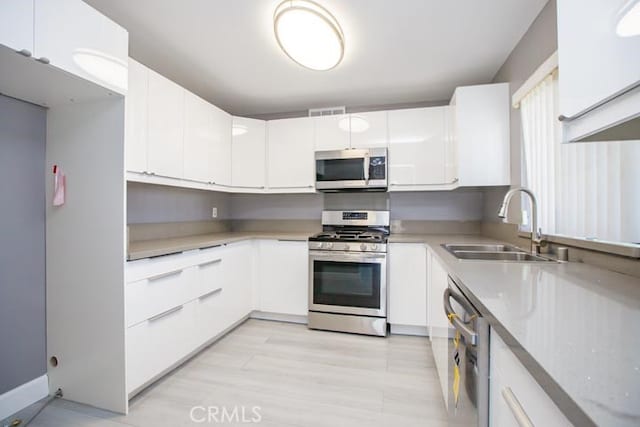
{"points": [[397, 51]]}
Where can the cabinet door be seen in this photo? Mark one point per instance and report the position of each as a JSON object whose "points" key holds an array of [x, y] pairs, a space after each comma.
{"points": [[290, 161], [166, 126], [332, 132], [596, 59], [198, 137], [283, 277], [418, 151], [16, 24], [238, 272], [73, 36], [482, 134], [136, 117], [220, 152], [369, 129], [248, 153], [408, 284]]}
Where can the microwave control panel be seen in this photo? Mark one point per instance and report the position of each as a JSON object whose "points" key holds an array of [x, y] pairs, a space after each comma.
{"points": [[377, 167]]}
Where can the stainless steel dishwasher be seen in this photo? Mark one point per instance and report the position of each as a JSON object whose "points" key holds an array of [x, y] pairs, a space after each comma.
{"points": [[468, 366]]}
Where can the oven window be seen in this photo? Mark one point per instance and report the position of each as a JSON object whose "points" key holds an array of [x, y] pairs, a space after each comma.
{"points": [[340, 170], [352, 284]]}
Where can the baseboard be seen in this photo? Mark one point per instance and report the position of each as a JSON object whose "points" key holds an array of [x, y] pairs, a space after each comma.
{"points": [[419, 331], [22, 396], [291, 318]]}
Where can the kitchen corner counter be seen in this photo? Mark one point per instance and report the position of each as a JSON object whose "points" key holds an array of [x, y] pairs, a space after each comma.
{"points": [[572, 325], [158, 247]]}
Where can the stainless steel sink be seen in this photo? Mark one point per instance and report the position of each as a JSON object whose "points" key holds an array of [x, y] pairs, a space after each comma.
{"points": [[493, 252], [481, 248], [500, 256]]}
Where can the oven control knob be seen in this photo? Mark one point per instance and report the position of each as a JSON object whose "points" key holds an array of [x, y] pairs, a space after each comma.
{"points": [[363, 247], [327, 245], [346, 247], [374, 247]]}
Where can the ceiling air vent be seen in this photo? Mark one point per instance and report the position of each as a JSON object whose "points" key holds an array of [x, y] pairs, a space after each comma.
{"points": [[329, 111]]}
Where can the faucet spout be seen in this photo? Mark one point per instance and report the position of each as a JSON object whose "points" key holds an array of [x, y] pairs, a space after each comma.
{"points": [[536, 236]]}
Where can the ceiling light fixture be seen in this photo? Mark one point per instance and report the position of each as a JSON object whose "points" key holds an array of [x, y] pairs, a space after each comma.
{"points": [[308, 34], [353, 123], [103, 67], [629, 23]]}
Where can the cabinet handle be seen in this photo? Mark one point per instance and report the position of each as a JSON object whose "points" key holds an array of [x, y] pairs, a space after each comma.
{"points": [[25, 52], [599, 104], [163, 275], [166, 313], [215, 261], [209, 294], [292, 240], [43, 60], [516, 408]]}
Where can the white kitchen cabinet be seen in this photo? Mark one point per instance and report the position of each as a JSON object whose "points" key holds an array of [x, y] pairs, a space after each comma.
{"points": [[165, 127], [440, 330], [419, 149], [220, 152], [238, 270], [369, 129], [514, 391], [16, 25], [596, 61], [198, 138], [282, 276], [136, 124], [332, 132], [290, 159], [481, 134], [408, 285], [73, 36], [248, 153]]}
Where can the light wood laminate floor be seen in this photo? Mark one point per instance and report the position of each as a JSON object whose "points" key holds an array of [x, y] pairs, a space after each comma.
{"points": [[293, 375]]}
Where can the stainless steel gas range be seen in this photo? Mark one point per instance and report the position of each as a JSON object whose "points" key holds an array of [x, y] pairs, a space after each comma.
{"points": [[348, 273]]}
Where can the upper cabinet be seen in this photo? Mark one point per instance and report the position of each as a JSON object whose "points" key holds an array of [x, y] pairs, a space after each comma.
{"points": [[199, 138], [332, 132], [369, 129], [73, 36], [165, 127], [480, 131], [599, 69], [419, 149], [136, 117], [290, 159], [220, 153], [248, 154], [16, 25]]}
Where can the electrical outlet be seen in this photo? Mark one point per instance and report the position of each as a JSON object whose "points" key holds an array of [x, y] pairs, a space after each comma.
{"points": [[214, 212]]}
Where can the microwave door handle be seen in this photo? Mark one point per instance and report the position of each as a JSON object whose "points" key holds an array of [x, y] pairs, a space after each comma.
{"points": [[366, 167], [469, 334]]}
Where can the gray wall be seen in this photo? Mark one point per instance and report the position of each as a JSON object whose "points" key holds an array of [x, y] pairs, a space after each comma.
{"points": [[22, 238], [156, 203], [538, 43]]}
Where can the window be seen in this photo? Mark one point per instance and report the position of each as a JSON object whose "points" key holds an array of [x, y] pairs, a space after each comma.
{"points": [[584, 190]]}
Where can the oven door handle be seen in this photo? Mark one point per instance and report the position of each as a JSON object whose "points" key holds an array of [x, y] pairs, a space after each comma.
{"points": [[363, 256], [469, 334]]}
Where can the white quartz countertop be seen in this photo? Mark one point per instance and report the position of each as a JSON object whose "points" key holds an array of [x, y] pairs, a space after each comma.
{"points": [[574, 326]]}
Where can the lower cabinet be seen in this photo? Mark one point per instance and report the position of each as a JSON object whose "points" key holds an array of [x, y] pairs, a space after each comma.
{"points": [[408, 286], [282, 277], [515, 396]]}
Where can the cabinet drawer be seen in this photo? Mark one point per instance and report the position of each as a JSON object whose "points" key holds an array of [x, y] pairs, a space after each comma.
{"points": [[211, 314], [515, 393], [148, 297], [156, 344]]}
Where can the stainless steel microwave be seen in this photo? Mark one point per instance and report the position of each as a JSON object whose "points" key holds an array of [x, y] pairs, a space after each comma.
{"points": [[347, 170]]}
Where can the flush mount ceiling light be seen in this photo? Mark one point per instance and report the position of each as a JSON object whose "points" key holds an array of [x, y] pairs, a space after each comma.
{"points": [[629, 23], [103, 67], [354, 124], [308, 34], [237, 130]]}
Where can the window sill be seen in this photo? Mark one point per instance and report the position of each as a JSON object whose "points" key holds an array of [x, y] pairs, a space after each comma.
{"points": [[623, 249]]}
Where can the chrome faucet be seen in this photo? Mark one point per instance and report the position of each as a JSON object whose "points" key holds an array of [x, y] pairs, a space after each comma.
{"points": [[536, 233]]}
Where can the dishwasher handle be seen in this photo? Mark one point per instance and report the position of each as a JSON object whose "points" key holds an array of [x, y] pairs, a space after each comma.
{"points": [[471, 336]]}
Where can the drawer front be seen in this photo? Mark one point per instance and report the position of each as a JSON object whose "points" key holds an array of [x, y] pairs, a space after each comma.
{"points": [[211, 315], [208, 274], [147, 267], [156, 344], [515, 394], [149, 297]]}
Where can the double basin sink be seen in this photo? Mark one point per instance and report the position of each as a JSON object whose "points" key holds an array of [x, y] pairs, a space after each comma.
{"points": [[495, 252]]}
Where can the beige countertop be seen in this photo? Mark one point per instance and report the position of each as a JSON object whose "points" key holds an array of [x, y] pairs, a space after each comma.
{"points": [[158, 247]]}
